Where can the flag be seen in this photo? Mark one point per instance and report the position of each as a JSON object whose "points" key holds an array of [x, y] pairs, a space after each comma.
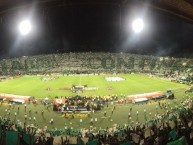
{"points": [[173, 134], [26, 138], [11, 137], [127, 143], [180, 141], [135, 137]]}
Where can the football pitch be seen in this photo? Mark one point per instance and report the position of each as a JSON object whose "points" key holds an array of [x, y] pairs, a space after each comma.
{"points": [[132, 84], [61, 86]]}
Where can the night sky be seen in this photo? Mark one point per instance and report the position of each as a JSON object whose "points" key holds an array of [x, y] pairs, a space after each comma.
{"points": [[95, 28]]}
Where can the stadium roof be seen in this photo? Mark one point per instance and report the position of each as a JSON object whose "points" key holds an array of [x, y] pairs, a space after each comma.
{"points": [[179, 8]]}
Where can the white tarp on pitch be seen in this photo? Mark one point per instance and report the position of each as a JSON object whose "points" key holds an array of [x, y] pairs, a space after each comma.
{"points": [[114, 79]]}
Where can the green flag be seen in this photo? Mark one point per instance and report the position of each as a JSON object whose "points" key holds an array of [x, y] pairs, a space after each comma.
{"points": [[11, 137], [180, 141]]}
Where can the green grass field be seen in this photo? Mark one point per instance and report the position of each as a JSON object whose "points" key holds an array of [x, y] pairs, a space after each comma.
{"points": [[134, 84]]}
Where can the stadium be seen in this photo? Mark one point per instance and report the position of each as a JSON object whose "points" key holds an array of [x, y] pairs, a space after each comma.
{"points": [[93, 95]]}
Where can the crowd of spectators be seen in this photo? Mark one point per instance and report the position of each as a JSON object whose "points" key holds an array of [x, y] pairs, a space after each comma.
{"points": [[87, 102], [175, 126], [87, 63]]}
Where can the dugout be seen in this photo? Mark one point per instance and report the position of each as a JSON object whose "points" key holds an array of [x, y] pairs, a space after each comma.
{"points": [[15, 98], [139, 100], [150, 95]]}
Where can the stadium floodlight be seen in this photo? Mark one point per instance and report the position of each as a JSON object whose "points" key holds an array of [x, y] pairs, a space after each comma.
{"points": [[25, 27], [138, 25]]}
